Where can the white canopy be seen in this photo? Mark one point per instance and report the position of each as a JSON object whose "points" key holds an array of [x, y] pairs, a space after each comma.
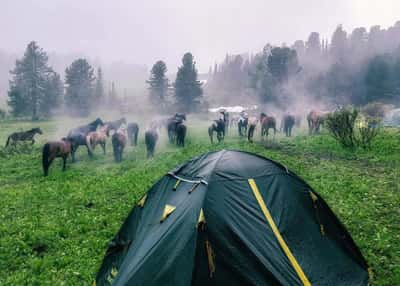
{"points": [[233, 109]]}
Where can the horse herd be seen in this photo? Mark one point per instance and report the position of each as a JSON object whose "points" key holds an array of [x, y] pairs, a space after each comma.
{"points": [[97, 132], [246, 125]]}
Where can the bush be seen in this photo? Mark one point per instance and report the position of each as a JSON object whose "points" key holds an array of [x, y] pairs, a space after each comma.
{"points": [[340, 125], [351, 129], [368, 129]]}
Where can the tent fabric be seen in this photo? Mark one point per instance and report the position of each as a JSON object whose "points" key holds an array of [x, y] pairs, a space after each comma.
{"points": [[234, 218]]}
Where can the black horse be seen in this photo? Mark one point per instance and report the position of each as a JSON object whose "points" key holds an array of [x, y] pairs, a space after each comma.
{"points": [[288, 123], [150, 138], [133, 131], [180, 135], [114, 125], [23, 136], [172, 124], [78, 136], [219, 127], [242, 126]]}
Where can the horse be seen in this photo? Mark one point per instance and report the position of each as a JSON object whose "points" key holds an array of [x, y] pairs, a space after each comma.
{"points": [[172, 124], [242, 125], [23, 136], [78, 136], [114, 125], [180, 135], [97, 137], [92, 126], [315, 119], [252, 123], [150, 138], [133, 131], [119, 140], [225, 118], [267, 122], [219, 127], [288, 121], [55, 149]]}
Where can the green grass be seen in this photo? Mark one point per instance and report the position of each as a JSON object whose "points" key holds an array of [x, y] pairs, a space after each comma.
{"points": [[54, 230]]}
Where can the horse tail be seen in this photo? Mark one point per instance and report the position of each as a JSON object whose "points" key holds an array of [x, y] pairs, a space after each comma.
{"points": [[45, 158], [8, 141]]}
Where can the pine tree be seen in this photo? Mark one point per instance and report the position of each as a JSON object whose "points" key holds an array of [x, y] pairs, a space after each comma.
{"points": [[158, 85], [79, 87], [53, 95], [188, 89], [28, 86], [99, 89]]}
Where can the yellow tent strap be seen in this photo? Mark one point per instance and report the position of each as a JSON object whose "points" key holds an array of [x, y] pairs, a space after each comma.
{"points": [[277, 234], [193, 187], [176, 185], [210, 256], [94, 283], [142, 201], [315, 199]]}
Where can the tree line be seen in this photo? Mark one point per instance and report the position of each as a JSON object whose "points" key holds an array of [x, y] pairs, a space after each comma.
{"points": [[354, 68], [184, 95], [36, 90]]}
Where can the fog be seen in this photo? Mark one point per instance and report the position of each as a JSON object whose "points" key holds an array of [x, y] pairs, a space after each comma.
{"points": [[142, 32], [126, 37]]}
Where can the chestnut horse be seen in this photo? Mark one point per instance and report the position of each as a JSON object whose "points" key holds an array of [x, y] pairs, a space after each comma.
{"points": [[119, 140], [267, 122], [95, 138], [315, 119]]}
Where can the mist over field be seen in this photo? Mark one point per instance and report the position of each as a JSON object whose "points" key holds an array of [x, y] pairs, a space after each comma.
{"points": [[309, 90]]}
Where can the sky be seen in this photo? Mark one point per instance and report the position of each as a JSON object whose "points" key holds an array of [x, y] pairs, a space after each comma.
{"points": [[144, 31]]}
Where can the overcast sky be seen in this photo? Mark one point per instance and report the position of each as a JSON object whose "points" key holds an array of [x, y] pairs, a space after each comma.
{"points": [[143, 31]]}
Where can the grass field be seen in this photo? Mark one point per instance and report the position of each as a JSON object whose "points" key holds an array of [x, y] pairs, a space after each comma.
{"points": [[54, 230]]}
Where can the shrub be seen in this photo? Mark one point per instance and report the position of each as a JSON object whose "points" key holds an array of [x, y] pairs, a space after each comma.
{"points": [[340, 125], [351, 129], [368, 129]]}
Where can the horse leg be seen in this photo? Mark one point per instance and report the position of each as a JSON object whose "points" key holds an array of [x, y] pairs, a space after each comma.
{"points": [[103, 146], [89, 152], [64, 163], [73, 150]]}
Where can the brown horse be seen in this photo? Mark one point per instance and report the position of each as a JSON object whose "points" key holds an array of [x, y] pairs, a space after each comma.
{"points": [[150, 139], [119, 140], [315, 119], [252, 123], [55, 149], [267, 122], [95, 138]]}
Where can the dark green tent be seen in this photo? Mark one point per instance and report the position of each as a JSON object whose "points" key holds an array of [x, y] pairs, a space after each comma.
{"points": [[232, 218]]}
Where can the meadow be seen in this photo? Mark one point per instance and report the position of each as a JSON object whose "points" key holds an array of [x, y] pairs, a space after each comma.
{"points": [[54, 230]]}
